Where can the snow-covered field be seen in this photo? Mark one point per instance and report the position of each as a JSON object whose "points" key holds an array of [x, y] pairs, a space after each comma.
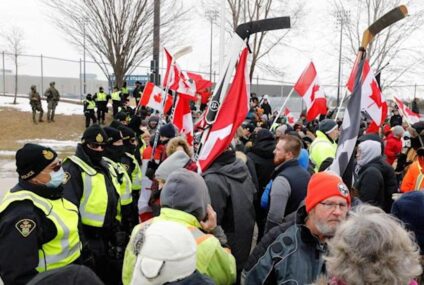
{"points": [[23, 105]]}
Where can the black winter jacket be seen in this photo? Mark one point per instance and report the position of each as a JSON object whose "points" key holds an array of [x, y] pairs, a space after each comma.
{"points": [[376, 183], [231, 190]]}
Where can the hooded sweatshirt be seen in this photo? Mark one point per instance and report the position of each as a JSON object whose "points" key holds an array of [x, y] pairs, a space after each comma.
{"points": [[231, 190]]}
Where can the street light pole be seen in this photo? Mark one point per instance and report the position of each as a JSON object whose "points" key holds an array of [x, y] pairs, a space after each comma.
{"points": [[85, 79], [342, 16], [211, 15]]}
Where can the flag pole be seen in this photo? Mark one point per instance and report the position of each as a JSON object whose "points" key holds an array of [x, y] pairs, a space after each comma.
{"points": [[340, 105], [282, 106]]}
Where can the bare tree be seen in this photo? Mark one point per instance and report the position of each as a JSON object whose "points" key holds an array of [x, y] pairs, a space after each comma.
{"points": [[263, 43], [14, 44], [117, 33], [392, 45]]}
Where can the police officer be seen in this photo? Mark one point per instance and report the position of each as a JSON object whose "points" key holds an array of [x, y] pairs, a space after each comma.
{"points": [[89, 106], [53, 97], [92, 186], [130, 163], [38, 227], [138, 90], [101, 99], [35, 102], [114, 152], [124, 91], [116, 100]]}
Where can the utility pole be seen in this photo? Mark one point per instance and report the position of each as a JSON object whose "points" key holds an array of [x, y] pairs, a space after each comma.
{"points": [[211, 15], [84, 70], [154, 65], [342, 17]]}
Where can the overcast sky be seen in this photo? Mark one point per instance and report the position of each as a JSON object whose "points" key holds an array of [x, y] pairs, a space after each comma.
{"points": [[316, 40]]}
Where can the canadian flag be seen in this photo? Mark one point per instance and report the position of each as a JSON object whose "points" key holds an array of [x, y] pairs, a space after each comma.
{"points": [[153, 97], [176, 79], [289, 116], [372, 100], [182, 118], [411, 117], [308, 87], [233, 111]]}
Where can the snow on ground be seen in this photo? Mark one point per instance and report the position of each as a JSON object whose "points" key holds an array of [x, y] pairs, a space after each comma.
{"points": [[54, 144], [63, 108]]}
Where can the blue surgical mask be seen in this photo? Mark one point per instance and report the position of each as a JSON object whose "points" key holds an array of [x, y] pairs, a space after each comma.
{"points": [[56, 178]]}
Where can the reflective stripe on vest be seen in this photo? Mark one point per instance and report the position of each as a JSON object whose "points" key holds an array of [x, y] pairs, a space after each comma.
{"points": [[420, 178], [101, 96], [94, 200], [125, 186], [115, 96], [65, 247], [136, 174], [91, 104], [198, 235]]}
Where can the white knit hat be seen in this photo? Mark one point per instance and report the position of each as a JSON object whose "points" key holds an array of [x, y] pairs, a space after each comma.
{"points": [[168, 253]]}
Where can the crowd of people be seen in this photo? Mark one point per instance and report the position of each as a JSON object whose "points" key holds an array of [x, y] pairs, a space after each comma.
{"points": [[130, 207]]}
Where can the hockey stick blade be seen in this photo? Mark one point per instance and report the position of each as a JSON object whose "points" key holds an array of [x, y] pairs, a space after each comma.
{"points": [[246, 29], [383, 22]]}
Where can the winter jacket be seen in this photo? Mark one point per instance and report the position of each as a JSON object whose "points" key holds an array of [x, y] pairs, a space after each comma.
{"points": [[393, 148], [376, 183], [289, 185], [212, 259], [232, 191], [263, 158], [321, 148], [414, 178], [292, 256]]}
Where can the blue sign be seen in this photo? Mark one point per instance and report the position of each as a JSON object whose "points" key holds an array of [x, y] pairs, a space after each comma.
{"points": [[131, 79]]}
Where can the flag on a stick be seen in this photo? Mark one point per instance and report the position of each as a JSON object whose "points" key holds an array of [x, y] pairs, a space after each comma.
{"points": [[153, 97], [308, 87], [410, 117], [177, 80]]}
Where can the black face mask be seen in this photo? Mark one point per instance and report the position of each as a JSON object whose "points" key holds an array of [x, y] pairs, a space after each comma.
{"points": [[115, 152], [130, 148], [165, 141], [95, 156]]}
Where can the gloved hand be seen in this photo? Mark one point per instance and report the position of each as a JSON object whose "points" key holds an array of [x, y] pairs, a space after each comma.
{"points": [[151, 169]]}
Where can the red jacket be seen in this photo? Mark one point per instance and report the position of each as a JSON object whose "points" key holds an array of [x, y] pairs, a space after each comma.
{"points": [[393, 148]]}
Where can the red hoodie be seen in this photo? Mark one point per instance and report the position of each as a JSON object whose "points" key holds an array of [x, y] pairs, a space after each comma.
{"points": [[393, 148]]}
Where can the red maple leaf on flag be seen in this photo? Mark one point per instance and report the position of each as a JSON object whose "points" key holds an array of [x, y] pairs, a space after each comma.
{"points": [[157, 97], [375, 95]]}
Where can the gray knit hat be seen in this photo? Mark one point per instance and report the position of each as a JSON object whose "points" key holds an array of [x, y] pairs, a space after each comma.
{"points": [[186, 191], [327, 126], [173, 162]]}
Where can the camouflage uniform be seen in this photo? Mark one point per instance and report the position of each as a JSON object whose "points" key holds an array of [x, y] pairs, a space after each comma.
{"points": [[53, 97], [35, 102]]}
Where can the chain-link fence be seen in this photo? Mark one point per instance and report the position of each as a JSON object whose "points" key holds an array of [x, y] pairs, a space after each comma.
{"points": [[40, 70]]}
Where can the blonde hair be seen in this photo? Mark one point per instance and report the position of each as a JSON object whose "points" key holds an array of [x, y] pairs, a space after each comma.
{"points": [[178, 142], [372, 247]]}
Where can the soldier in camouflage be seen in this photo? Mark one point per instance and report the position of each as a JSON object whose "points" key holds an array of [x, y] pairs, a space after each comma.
{"points": [[35, 102], [53, 97]]}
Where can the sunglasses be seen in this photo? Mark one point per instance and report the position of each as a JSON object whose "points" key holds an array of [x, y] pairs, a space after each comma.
{"points": [[96, 145]]}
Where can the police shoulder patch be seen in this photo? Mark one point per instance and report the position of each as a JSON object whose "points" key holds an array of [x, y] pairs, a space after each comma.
{"points": [[126, 166], [25, 227], [67, 177]]}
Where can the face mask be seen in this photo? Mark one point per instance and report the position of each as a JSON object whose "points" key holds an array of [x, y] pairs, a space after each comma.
{"points": [[115, 152], [56, 178], [95, 156], [129, 148]]}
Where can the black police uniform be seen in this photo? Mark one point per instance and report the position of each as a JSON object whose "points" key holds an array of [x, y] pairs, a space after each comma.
{"points": [[96, 241], [19, 253]]}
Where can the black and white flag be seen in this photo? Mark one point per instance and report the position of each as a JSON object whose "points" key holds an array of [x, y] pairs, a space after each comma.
{"points": [[350, 126]]}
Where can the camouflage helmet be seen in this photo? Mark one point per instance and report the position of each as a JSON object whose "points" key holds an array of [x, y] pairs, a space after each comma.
{"points": [[33, 87]]}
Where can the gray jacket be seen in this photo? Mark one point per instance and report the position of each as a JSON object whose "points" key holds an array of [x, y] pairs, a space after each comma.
{"points": [[289, 257]]}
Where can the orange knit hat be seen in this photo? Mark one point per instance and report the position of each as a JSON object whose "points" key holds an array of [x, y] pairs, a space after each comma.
{"points": [[322, 186]]}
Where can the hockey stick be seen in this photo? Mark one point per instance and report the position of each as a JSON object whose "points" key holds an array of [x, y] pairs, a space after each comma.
{"points": [[351, 121]]}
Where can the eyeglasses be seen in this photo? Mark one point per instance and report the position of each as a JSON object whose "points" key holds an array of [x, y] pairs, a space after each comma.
{"points": [[54, 167], [95, 145], [133, 141], [332, 206]]}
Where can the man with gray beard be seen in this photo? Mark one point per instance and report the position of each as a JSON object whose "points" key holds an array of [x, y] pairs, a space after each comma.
{"points": [[296, 253]]}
